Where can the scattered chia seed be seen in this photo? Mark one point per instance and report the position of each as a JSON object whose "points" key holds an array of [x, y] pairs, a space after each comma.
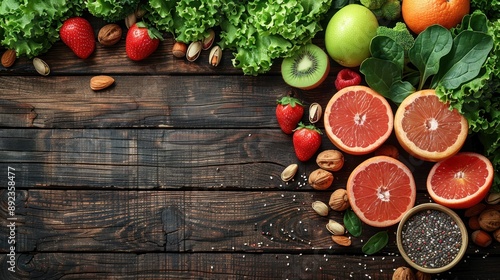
{"points": [[431, 238]]}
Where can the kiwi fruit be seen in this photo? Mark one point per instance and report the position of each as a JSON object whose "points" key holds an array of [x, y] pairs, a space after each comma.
{"points": [[307, 68]]}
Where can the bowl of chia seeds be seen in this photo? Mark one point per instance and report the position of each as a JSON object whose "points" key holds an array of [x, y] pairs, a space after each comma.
{"points": [[431, 238]]}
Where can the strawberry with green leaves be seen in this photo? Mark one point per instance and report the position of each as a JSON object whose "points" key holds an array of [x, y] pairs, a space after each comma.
{"points": [[306, 141], [78, 35], [289, 112], [141, 41]]}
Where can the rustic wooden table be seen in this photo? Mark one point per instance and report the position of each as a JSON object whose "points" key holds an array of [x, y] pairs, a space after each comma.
{"points": [[174, 172]]}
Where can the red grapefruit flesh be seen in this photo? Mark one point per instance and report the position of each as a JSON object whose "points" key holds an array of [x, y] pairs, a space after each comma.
{"points": [[460, 181], [426, 127], [381, 190], [358, 120]]}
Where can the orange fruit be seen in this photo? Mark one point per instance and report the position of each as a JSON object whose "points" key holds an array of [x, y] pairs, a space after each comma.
{"points": [[460, 181], [358, 120], [420, 14], [426, 127], [381, 190]]}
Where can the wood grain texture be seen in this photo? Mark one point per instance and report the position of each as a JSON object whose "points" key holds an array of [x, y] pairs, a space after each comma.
{"points": [[165, 159], [224, 266]]}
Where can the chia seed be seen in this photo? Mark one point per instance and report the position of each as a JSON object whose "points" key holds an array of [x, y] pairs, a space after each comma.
{"points": [[431, 238]]}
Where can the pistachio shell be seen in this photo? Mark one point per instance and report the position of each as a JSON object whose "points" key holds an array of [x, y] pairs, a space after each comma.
{"points": [[289, 172], [321, 208], [215, 56], [335, 228], [193, 51], [41, 66], [315, 112]]}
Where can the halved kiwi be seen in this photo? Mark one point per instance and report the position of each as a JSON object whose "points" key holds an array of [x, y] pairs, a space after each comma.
{"points": [[307, 68]]}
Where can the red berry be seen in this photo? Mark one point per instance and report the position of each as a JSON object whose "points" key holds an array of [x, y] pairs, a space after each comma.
{"points": [[347, 77], [78, 35], [289, 112], [141, 41], [306, 141]]}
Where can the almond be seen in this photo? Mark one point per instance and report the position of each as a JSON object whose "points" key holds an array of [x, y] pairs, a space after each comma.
{"points": [[8, 58], [109, 34], [101, 82], [341, 240]]}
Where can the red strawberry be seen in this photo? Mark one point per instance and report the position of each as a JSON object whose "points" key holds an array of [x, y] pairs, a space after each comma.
{"points": [[347, 77], [306, 141], [289, 112], [78, 35], [141, 41]]}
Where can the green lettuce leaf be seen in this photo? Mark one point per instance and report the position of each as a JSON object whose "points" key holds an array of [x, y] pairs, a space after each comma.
{"points": [[112, 10]]}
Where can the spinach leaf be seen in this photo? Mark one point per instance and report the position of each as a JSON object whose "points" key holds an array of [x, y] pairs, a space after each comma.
{"points": [[463, 63], [376, 243], [430, 46], [386, 48], [352, 223], [380, 74], [400, 90]]}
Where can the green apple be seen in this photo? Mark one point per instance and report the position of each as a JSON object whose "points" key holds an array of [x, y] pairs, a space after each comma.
{"points": [[349, 33]]}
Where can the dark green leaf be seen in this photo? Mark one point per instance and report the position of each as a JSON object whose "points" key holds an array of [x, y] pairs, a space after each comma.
{"points": [[463, 63], [380, 74], [376, 243], [430, 46], [386, 48], [352, 223], [400, 90]]}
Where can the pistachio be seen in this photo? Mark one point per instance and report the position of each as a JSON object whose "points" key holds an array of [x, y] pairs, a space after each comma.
{"points": [[315, 112], [493, 198], [130, 20], [193, 51], [321, 208], [209, 40], [320, 179], [335, 228], [8, 58], [289, 172], [215, 56], [109, 34], [179, 49], [331, 160], [41, 66]]}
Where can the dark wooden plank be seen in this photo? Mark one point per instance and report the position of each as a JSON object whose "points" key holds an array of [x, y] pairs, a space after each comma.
{"points": [[146, 101], [164, 158], [180, 221], [225, 266]]}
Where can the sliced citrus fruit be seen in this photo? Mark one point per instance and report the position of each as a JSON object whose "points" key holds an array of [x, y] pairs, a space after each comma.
{"points": [[358, 120], [426, 127], [381, 190], [460, 181]]}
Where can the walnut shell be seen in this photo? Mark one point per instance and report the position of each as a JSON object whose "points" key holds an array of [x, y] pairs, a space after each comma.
{"points": [[496, 235], [419, 275], [339, 201], [403, 273], [109, 34], [489, 220], [331, 160], [320, 179]]}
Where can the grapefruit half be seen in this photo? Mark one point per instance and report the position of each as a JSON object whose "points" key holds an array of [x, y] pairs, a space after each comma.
{"points": [[426, 127], [460, 181], [358, 120], [381, 190]]}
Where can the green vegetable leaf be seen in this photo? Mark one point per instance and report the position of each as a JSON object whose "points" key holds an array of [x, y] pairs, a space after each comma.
{"points": [[378, 241], [386, 48], [380, 81], [463, 63], [400, 90], [352, 223], [430, 46]]}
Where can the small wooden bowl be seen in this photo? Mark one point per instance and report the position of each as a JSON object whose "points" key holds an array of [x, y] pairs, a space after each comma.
{"points": [[454, 217]]}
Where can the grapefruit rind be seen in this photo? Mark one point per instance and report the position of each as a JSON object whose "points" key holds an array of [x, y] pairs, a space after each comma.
{"points": [[411, 147], [358, 121], [381, 190], [463, 163]]}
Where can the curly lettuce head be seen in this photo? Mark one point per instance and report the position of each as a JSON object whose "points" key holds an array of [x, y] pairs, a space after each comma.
{"points": [[31, 27], [112, 10]]}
